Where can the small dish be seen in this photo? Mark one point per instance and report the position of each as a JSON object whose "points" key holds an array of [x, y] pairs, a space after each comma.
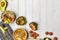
{"points": [[46, 38], [8, 17], [21, 20], [20, 34]]}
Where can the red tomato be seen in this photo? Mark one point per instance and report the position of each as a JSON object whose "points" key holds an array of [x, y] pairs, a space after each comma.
{"points": [[11, 18]]}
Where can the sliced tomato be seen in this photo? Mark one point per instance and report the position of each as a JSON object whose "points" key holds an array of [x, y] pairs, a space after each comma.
{"points": [[11, 18]]}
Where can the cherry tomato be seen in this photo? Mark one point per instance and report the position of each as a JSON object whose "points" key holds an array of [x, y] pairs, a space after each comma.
{"points": [[11, 18]]}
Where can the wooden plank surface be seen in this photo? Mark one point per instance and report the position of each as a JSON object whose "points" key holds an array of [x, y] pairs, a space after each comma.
{"points": [[45, 12]]}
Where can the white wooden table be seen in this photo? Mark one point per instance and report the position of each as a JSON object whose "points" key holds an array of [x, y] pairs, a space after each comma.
{"points": [[45, 12]]}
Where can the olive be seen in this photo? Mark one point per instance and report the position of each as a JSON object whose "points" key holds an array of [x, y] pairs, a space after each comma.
{"points": [[51, 33], [46, 32], [55, 38]]}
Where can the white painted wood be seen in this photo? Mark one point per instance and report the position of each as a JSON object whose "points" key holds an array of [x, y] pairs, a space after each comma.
{"points": [[49, 16], [35, 13], [45, 12], [28, 14], [15, 8], [9, 4], [22, 10], [56, 17]]}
